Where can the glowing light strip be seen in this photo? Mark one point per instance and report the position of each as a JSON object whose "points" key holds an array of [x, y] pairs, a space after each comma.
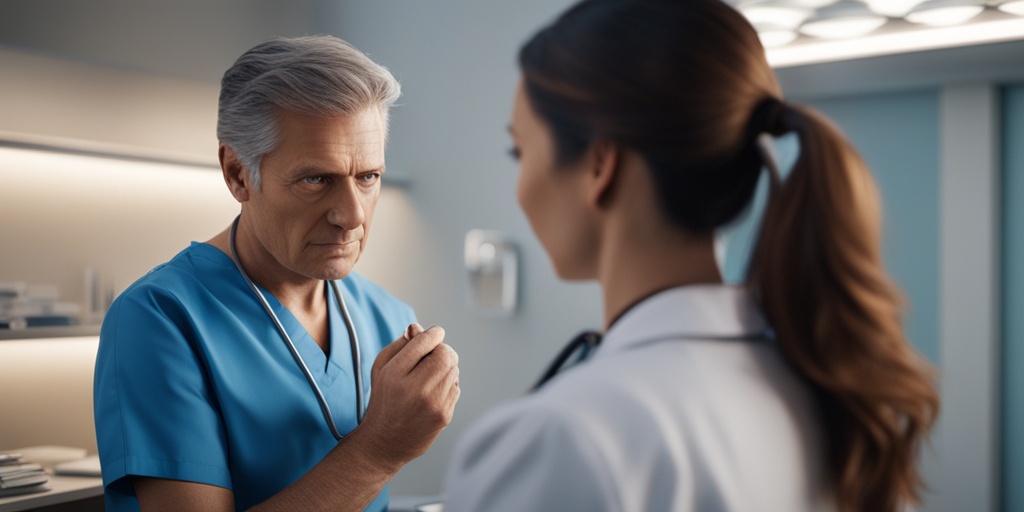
{"points": [[897, 42], [32, 144], [102, 150]]}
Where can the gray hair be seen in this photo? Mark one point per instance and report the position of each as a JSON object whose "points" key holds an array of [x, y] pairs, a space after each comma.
{"points": [[314, 75]]}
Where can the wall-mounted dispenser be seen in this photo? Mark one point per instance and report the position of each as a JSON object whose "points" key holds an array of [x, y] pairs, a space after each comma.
{"points": [[492, 262]]}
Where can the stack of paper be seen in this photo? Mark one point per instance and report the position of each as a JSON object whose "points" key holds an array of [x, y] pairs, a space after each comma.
{"points": [[23, 305], [17, 477]]}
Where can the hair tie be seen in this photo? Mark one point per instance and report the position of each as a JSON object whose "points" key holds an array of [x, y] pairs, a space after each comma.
{"points": [[768, 117], [767, 121]]}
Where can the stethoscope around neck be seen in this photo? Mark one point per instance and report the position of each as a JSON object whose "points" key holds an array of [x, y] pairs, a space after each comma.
{"points": [[353, 342], [587, 342]]}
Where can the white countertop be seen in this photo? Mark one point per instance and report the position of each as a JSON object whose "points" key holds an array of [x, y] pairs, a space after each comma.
{"points": [[71, 488], [63, 489]]}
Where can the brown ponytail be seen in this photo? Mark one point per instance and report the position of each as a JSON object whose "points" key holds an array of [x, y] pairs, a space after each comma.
{"points": [[818, 272]]}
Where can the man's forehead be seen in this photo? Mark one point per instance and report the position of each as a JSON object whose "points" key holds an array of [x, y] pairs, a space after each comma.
{"points": [[361, 128], [329, 144]]}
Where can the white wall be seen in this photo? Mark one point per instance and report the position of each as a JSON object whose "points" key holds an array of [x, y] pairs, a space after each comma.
{"points": [[190, 39]]}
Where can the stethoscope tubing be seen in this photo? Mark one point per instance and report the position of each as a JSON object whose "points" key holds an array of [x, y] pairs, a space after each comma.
{"points": [[353, 342], [590, 340], [357, 365]]}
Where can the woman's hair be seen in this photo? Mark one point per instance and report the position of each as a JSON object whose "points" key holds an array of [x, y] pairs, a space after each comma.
{"points": [[686, 85], [314, 75]]}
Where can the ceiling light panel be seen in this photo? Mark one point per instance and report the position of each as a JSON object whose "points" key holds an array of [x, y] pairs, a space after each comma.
{"points": [[945, 13], [842, 20], [778, 13], [805, 31], [892, 8], [1013, 7]]}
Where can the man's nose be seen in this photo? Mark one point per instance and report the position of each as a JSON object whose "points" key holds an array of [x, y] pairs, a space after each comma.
{"points": [[346, 206]]}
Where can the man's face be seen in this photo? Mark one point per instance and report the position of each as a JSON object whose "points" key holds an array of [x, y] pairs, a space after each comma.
{"points": [[319, 188]]}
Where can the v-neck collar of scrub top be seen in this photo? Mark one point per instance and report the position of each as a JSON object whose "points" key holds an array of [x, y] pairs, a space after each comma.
{"points": [[693, 312], [325, 367]]}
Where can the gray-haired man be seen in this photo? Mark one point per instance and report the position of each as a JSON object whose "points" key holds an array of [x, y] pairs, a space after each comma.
{"points": [[226, 376]]}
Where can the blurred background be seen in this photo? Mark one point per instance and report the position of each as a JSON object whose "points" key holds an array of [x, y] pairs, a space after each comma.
{"points": [[108, 167]]}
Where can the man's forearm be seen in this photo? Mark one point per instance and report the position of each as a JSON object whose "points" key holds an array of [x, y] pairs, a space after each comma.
{"points": [[348, 479], [415, 388]]}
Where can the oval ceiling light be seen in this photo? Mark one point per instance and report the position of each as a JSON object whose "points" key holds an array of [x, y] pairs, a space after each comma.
{"points": [[779, 13], [892, 8], [944, 13], [774, 36], [843, 19], [1013, 7], [810, 4]]}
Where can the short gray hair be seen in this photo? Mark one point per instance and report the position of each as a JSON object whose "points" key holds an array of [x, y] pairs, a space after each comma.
{"points": [[313, 75]]}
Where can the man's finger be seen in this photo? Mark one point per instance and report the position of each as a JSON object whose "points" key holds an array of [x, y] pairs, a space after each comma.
{"points": [[388, 352], [442, 356], [419, 347], [412, 331]]}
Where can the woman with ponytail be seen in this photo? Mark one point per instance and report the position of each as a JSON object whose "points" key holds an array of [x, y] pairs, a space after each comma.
{"points": [[640, 127]]}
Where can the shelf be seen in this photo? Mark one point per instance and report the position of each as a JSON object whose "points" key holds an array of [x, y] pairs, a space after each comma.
{"points": [[49, 332], [67, 493]]}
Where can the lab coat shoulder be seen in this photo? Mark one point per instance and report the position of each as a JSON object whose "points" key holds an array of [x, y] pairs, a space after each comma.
{"points": [[530, 454]]}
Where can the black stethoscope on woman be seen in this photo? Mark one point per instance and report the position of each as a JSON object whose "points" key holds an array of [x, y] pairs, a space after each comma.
{"points": [[352, 338], [587, 342]]}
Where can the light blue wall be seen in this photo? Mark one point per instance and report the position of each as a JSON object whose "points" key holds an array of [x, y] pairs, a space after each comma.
{"points": [[1013, 298], [898, 136]]}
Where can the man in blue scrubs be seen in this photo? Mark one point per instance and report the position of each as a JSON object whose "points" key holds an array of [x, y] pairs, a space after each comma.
{"points": [[199, 403]]}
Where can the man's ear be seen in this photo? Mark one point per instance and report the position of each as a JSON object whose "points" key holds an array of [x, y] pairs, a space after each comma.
{"points": [[604, 169], [236, 176]]}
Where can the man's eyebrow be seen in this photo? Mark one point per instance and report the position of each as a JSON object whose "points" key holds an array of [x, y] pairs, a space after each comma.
{"points": [[304, 170]]}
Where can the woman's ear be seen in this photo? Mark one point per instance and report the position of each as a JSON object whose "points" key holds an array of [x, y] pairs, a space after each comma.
{"points": [[604, 168], [236, 176]]}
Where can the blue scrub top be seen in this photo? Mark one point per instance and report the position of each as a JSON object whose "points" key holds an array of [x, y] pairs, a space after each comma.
{"points": [[194, 383]]}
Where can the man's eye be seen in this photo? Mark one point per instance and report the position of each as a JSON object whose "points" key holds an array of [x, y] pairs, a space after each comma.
{"points": [[369, 177], [514, 153], [313, 180]]}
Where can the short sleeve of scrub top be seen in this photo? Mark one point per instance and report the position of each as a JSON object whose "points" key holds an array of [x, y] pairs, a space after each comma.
{"points": [[194, 383]]}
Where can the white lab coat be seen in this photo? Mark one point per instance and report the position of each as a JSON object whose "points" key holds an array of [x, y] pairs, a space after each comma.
{"points": [[672, 413]]}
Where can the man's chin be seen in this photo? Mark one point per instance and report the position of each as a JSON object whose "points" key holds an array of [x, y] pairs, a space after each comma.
{"points": [[335, 271]]}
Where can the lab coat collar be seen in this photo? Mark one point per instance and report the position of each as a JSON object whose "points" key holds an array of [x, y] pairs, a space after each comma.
{"points": [[692, 312]]}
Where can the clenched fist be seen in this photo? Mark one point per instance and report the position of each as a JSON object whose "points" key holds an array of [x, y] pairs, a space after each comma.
{"points": [[415, 383]]}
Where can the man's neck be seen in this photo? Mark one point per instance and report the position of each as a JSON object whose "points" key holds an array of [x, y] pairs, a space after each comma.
{"points": [[304, 297]]}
